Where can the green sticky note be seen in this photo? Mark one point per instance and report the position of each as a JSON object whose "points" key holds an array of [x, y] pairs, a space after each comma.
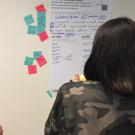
{"points": [[41, 19], [41, 22], [49, 93], [32, 29], [28, 61], [36, 54], [28, 19], [41, 15], [40, 29]]}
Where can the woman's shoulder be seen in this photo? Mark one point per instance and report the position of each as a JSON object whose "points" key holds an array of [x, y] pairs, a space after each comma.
{"points": [[90, 84], [86, 91], [87, 103]]}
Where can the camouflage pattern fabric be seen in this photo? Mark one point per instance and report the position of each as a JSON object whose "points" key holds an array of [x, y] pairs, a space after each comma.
{"points": [[86, 108]]}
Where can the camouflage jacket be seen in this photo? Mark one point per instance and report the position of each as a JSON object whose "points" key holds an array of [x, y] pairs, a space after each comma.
{"points": [[85, 108]]}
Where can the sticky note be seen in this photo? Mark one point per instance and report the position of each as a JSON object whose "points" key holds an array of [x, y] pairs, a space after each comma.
{"points": [[41, 15], [43, 36], [41, 21], [28, 61], [28, 19], [40, 8], [41, 61], [32, 69], [49, 93], [82, 78], [40, 29], [32, 29], [37, 54]]}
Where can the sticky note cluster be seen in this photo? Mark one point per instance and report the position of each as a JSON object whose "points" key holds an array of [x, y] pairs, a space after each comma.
{"points": [[40, 60], [39, 29]]}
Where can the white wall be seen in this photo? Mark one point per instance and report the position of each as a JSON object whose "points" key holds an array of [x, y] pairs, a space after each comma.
{"points": [[24, 102], [124, 8]]}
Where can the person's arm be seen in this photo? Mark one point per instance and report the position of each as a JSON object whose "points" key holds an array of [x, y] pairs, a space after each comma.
{"points": [[55, 122]]}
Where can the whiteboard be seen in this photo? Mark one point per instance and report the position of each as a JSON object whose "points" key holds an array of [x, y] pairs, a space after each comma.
{"points": [[73, 28], [25, 104]]}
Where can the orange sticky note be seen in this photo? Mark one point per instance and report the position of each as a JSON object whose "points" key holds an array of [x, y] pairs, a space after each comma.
{"points": [[32, 69], [41, 61], [40, 8], [43, 36]]}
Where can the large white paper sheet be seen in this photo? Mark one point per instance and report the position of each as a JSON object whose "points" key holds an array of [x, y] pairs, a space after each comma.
{"points": [[73, 26]]}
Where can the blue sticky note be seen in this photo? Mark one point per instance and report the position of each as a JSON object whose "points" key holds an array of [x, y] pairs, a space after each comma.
{"points": [[36, 54], [32, 29], [28, 61], [28, 19], [40, 29]]}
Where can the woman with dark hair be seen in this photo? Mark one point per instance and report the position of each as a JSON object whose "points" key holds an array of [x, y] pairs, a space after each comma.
{"points": [[112, 60], [105, 103]]}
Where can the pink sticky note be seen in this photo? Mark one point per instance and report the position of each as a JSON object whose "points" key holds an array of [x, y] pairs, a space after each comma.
{"points": [[43, 36], [40, 8], [32, 69], [41, 61]]}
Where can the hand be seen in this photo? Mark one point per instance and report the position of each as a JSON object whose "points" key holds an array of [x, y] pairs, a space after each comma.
{"points": [[77, 78]]}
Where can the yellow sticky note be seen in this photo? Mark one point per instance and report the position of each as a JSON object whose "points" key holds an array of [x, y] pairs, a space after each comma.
{"points": [[82, 78]]}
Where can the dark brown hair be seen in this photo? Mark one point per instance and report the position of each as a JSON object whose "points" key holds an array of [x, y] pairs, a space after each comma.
{"points": [[112, 60]]}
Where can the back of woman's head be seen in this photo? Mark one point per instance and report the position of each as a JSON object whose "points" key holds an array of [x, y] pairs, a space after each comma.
{"points": [[112, 60]]}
